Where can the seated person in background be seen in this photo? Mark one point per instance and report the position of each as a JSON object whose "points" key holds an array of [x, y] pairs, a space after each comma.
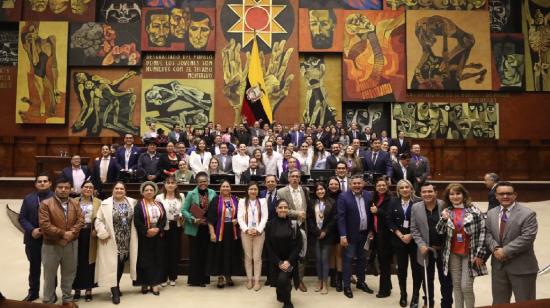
{"points": [[161, 139], [183, 175], [148, 162], [403, 169], [76, 174], [151, 133], [176, 135], [182, 152], [253, 169]]}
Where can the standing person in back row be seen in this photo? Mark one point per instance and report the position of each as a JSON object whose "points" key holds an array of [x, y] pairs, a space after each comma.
{"points": [[28, 218], [60, 221], [511, 232]]}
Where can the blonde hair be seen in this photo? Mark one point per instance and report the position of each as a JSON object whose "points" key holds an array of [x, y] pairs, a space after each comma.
{"points": [[404, 182]]}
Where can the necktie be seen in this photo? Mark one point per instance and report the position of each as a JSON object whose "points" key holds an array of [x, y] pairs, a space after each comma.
{"points": [[269, 200], [503, 221], [343, 185], [374, 156], [354, 135]]}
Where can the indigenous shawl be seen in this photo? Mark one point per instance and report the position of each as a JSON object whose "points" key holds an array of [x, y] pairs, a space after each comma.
{"points": [[147, 214], [474, 226], [220, 224]]}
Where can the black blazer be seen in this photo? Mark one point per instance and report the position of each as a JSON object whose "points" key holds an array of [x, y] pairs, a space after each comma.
{"points": [[329, 221], [360, 135], [406, 147], [493, 202], [332, 161], [245, 176], [398, 173], [395, 217], [166, 164], [382, 165], [67, 173], [112, 172], [383, 230]]}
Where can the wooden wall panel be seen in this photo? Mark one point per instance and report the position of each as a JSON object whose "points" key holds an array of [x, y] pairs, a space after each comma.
{"points": [[24, 153]]}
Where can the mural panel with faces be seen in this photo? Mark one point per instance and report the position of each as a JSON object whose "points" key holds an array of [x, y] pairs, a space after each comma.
{"points": [[446, 120], [120, 11], [505, 15], [366, 114]]}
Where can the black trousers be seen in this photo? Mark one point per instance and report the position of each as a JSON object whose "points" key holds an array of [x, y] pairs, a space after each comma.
{"points": [[445, 281], [405, 253], [33, 250], [384, 251], [120, 269], [198, 257], [173, 242], [284, 286]]}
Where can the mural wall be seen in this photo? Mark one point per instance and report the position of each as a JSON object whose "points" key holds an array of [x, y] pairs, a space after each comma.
{"points": [[186, 61]]}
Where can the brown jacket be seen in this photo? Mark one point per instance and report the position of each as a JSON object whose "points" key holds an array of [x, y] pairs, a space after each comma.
{"points": [[53, 224]]}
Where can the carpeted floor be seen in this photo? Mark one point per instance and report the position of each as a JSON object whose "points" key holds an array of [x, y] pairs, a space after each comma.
{"points": [[14, 271]]}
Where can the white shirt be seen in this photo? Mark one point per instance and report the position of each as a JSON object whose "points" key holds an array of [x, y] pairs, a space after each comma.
{"points": [[78, 179], [197, 164], [363, 222], [304, 161], [240, 164], [343, 184], [127, 154], [104, 168], [404, 169], [171, 207], [261, 203], [271, 163]]}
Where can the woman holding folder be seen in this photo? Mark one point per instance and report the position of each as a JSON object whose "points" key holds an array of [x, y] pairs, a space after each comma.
{"points": [[194, 211]]}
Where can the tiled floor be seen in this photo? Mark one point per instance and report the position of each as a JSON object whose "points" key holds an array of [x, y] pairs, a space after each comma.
{"points": [[14, 270]]}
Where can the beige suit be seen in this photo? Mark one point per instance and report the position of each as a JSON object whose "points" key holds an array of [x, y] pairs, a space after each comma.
{"points": [[518, 272], [107, 253]]}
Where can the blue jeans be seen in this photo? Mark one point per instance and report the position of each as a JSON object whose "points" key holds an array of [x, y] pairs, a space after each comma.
{"points": [[355, 249], [321, 259]]}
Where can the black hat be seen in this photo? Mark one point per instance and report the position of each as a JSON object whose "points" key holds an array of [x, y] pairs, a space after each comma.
{"points": [[404, 156]]}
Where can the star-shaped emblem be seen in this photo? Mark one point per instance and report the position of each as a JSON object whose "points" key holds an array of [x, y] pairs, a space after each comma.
{"points": [[257, 17]]}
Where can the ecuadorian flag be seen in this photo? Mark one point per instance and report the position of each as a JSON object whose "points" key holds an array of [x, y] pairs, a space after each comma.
{"points": [[256, 105]]}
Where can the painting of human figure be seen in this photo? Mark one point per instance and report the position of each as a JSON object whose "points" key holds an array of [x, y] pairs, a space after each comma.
{"points": [[103, 44], [536, 16], [59, 10], [374, 66], [104, 102], [10, 10], [505, 16], [320, 88], [178, 28], [119, 11], [375, 115], [8, 45], [447, 51], [322, 30], [508, 61], [42, 72], [455, 121]]}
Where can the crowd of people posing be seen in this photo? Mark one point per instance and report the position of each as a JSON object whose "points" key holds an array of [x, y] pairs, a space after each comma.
{"points": [[93, 240], [345, 227]]}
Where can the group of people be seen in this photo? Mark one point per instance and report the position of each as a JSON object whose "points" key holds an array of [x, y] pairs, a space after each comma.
{"points": [[338, 221]]}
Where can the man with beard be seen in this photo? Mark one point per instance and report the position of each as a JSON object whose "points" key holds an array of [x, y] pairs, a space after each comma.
{"points": [[200, 28], [321, 27], [157, 28]]}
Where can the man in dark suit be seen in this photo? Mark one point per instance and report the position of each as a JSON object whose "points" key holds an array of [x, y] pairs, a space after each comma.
{"points": [[511, 229], [403, 169], [255, 130], [295, 136], [491, 180], [421, 166], [271, 197], [252, 170], [243, 134], [378, 161], [28, 218], [127, 156], [402, 145], [105, 169], [322, 136], [359, 151], [292, 164], [225, 159], [355, 133], [334, 158], [355, 225], [176, 135], [76, 174]]}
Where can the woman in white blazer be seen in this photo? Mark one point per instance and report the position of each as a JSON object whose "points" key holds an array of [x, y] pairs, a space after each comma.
{"points": [[252, 218], [200, 158], [118, 240], [240, 162], [172, 201]]}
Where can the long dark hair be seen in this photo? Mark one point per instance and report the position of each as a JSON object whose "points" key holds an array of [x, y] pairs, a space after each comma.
{"points": [[250, 184], [316, 186], [177, 193]]}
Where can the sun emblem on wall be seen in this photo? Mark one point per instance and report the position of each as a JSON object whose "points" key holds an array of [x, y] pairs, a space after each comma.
{"points": [[269, 20]]}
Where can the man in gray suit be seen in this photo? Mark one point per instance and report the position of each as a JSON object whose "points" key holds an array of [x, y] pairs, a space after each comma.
{"points": [[298, 199], [424, 217], [511, 230], [226, 160]]}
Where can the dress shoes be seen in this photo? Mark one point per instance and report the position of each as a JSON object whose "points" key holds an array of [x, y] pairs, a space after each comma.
{"points": [[302, 287], [403, 300], [30, 297], [414, 302], [363, 286], [76, 295], [347, 292], [115, 296], [383, 294]]}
